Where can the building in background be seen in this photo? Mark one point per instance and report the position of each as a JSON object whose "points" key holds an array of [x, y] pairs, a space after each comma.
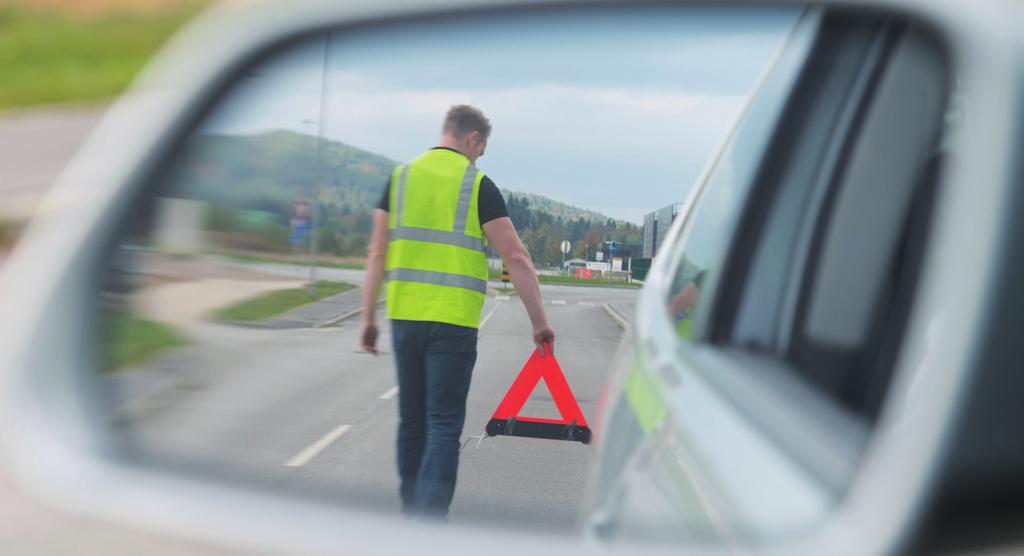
{"points": [[647, 247], [656, 226]]}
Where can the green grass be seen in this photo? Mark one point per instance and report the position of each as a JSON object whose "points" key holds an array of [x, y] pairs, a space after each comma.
{"points": [[287, 260], [275, 303], [596, 282], [132, 340], [48, 57]]}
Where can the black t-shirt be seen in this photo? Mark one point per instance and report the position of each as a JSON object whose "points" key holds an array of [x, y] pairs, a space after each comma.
{"points": [[490, 203]]}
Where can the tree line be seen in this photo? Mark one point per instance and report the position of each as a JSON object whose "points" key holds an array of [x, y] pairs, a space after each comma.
{"points": [[543, 233]]}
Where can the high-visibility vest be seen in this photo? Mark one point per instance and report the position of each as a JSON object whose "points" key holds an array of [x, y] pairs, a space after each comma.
{"points": [[436, 265]]}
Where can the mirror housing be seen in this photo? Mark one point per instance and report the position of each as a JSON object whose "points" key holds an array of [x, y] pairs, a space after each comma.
{"points": [[52, 430]]}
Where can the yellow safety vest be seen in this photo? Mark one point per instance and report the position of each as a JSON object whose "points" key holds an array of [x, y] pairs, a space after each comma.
{"points": [[436, 265]]}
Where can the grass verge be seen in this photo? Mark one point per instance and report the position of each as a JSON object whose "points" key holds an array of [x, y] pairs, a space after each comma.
{"points": [[274, 303], [287, 260], [132, 340], [49, 56], [596, 282]]}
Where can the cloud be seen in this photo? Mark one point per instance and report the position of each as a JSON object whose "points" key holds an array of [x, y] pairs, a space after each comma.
{"points": [[580, 144], [608, 115]]}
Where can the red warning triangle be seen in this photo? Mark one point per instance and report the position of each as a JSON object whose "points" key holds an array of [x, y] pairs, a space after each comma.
{"points": [[506, 419]]}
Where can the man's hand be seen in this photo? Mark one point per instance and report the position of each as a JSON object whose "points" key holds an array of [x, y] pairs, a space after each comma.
{"points": [[368, 337], [544, 335]]}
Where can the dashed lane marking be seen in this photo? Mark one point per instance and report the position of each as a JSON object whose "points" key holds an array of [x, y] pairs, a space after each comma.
{"points": [[311, 451], [502, 297], [488, 317], [390, 393], [558, 302]]}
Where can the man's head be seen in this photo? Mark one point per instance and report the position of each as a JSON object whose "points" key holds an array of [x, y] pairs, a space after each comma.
{"points": [[466, 130]]}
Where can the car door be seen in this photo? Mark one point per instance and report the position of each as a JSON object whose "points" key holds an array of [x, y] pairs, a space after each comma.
{"points": [[763, 344]]}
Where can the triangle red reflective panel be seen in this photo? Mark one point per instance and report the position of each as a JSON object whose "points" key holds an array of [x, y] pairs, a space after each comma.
{"points": [[506, 420]]}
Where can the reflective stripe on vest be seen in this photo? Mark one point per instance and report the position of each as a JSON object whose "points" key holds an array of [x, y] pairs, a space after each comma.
{"points": [[437, 268], [438, 278], [438, 236]]}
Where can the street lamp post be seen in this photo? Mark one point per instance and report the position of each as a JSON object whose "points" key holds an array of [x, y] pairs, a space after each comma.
{"points": [[314, 220]]}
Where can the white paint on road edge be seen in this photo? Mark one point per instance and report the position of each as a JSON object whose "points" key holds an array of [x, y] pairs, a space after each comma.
{"points": [[488, 317], [311, 451], [614, 315], [344, 316], [390, 393], [558, 302]]}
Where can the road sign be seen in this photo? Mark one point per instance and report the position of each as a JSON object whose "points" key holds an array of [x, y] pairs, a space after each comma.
{"points": [[591, 265], [506, 420], [300, 229], [302, 209], [565, 247]]}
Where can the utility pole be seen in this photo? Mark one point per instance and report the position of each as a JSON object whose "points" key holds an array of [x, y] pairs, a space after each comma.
{"points": [[314, 217]]}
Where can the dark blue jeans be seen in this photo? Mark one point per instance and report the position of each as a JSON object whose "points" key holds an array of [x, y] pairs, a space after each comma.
{"points": [[435, 363]]}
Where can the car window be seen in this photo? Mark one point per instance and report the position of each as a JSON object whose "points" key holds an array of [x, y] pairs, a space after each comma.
{"points": [[851, 313], [698, 250], [828, 273]]}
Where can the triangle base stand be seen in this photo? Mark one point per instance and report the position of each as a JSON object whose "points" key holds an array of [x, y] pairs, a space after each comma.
{"points": [[538, 428]]}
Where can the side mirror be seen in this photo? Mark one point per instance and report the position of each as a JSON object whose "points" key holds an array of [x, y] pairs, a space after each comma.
{"points": [[182, 321]]}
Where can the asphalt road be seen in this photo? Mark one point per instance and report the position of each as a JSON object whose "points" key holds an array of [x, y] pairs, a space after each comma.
{"points": [[306, 411]]}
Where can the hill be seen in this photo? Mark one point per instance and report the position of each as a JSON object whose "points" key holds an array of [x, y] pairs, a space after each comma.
{"points": [[558, 209], [252, 183], [279, 166]]}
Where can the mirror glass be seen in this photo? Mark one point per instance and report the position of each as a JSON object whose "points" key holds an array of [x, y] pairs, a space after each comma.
{"points": [[232, 298]]}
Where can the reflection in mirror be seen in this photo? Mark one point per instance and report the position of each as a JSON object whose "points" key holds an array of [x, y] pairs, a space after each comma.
{"points": [[233, 297]]}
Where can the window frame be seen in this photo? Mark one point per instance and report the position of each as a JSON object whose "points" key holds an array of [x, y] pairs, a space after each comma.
{"points": [[767, 388]]}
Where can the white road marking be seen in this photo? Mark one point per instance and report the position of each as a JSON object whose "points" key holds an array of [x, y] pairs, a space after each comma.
{"points": [[311, 451], [390, 393], [558, 302], [588, 304], [488, 317], [502, 297], [615, 316]]}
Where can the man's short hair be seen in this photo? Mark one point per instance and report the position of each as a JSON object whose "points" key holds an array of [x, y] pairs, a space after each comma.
{"points": [[463, 119]]}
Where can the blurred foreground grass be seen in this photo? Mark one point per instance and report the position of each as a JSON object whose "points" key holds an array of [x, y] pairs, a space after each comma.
{"points": [[50, 55], [281, 301], [345, 263], [131, 340]]}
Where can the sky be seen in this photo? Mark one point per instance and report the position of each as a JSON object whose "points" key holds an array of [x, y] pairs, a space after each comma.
{"points": [[616, 109]]}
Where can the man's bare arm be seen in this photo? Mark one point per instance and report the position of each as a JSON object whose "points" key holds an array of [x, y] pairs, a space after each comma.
{"points": [[375, 259], [502, 234]]}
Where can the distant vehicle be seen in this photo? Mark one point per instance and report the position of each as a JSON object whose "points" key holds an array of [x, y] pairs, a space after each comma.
{"points": [[573, 264]]}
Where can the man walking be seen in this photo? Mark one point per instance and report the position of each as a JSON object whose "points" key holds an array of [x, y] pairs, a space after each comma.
{"points": [[429, 236]]}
